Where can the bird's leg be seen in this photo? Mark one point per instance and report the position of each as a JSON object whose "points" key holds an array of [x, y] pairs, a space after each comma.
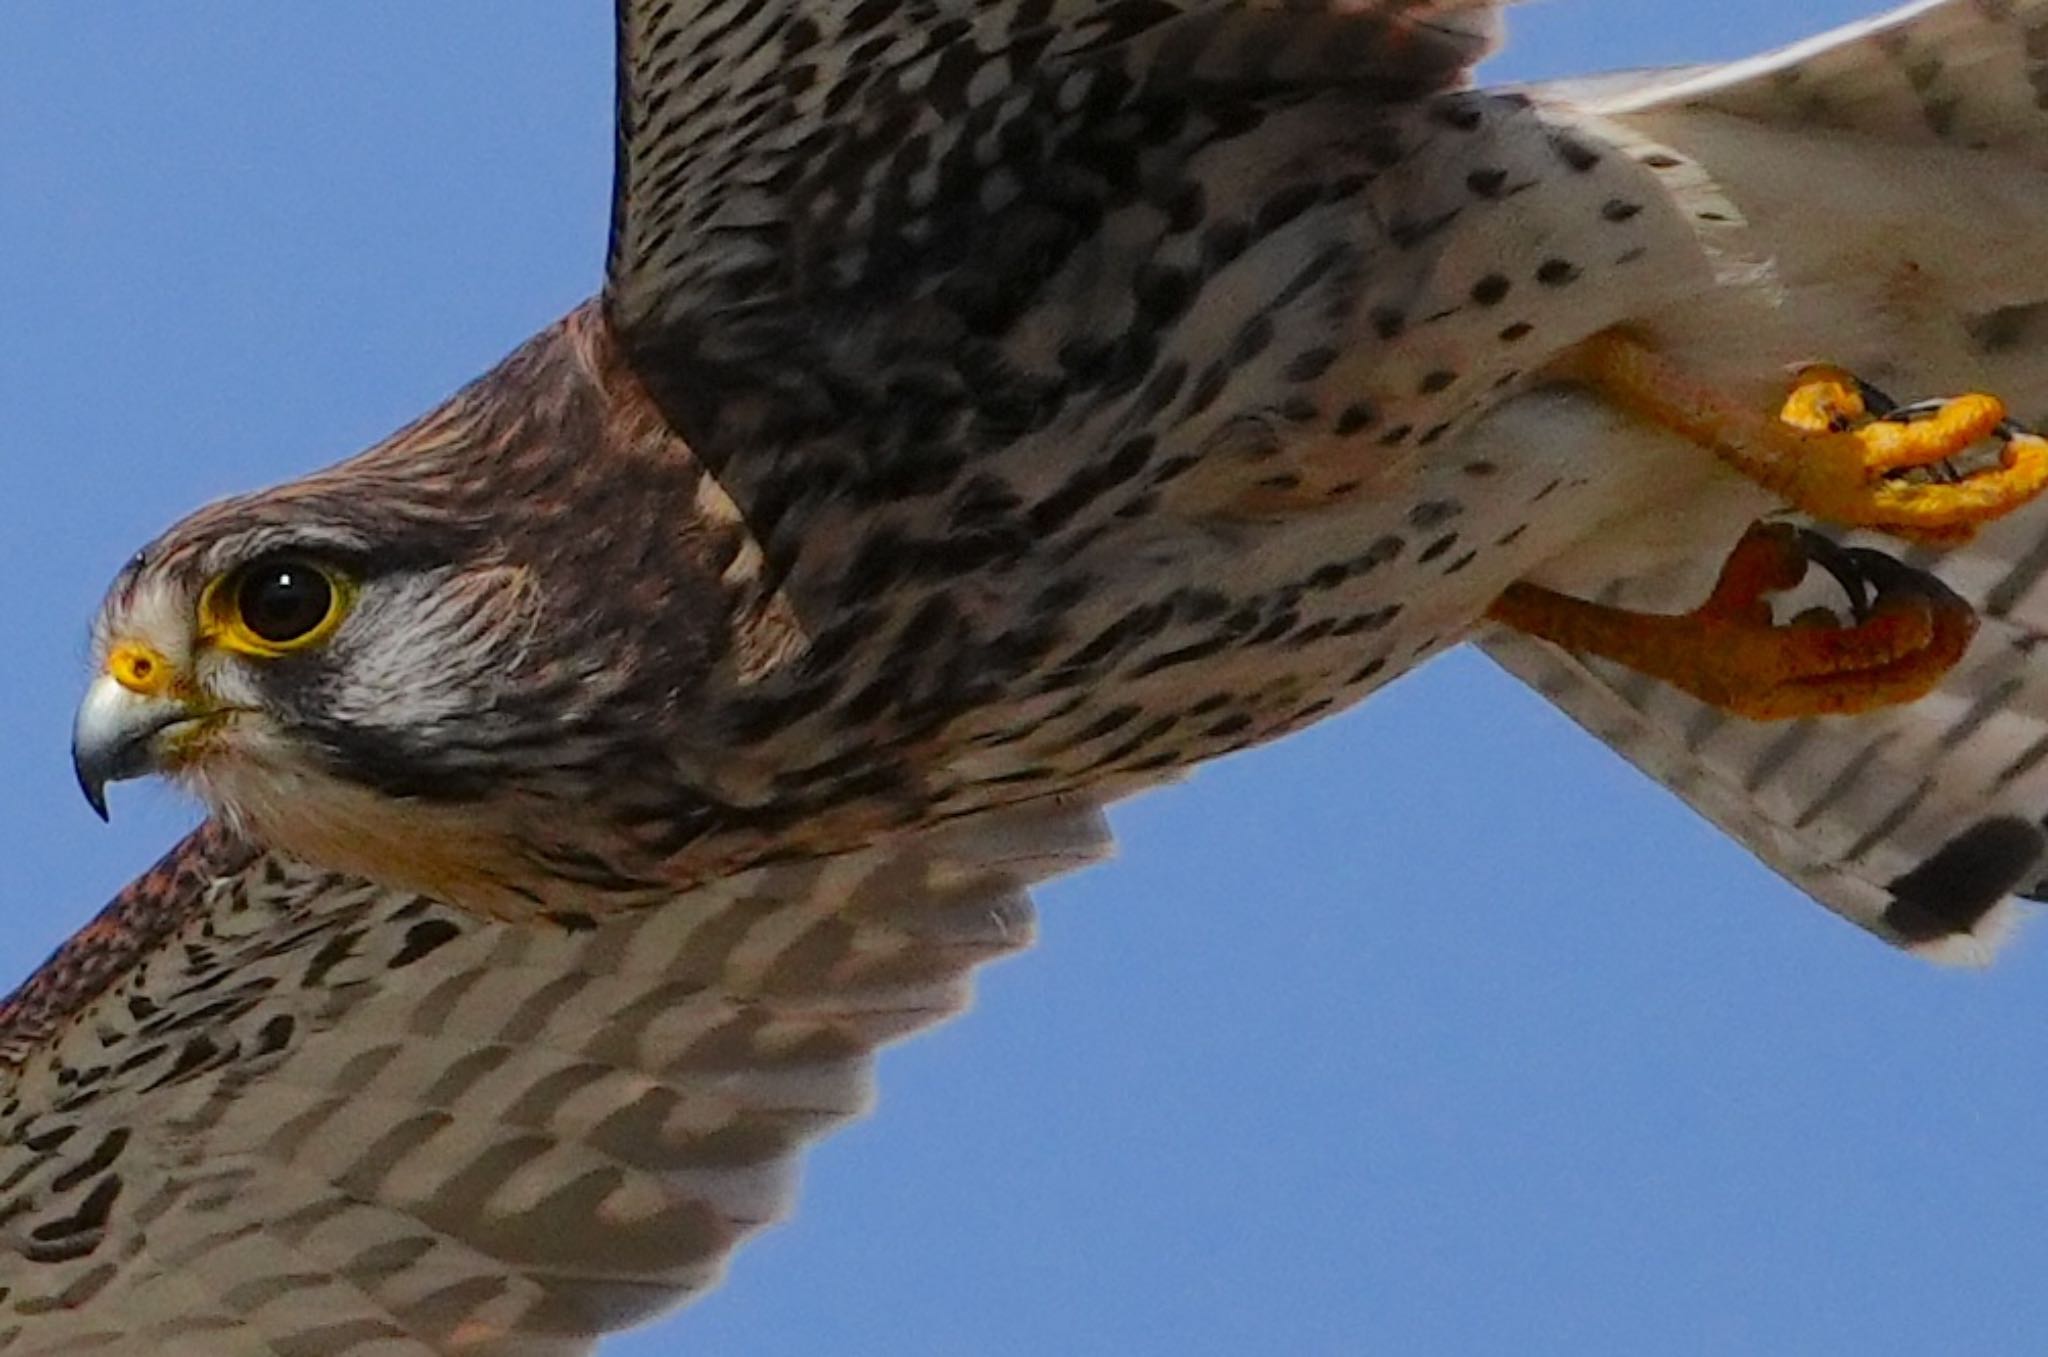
{"points": [[1833, 451], [1839, 451], [1906, 631]]}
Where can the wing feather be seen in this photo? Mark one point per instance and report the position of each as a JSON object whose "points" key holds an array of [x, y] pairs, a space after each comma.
{"points": [[1924, 823], [262, 1108], [785, 169], [1967, 73]]}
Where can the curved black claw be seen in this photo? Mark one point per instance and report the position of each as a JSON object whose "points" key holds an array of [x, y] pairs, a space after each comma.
{"points": [[1869, 577], [1944, 472], [1840, 562], [1893, 578], [1911, 413], [1879, 404], [2007, 430]]}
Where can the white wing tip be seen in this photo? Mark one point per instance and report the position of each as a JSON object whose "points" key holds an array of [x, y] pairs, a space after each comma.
{"points": [[1978, 947], [1958, 905]]}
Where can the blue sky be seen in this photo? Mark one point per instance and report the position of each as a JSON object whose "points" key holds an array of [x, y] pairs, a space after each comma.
{"points": [[1434, 1030]]}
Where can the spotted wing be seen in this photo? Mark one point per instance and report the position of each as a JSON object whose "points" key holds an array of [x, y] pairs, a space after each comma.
{"points": [[257, 1108], [819, 208], [1922, 823]]}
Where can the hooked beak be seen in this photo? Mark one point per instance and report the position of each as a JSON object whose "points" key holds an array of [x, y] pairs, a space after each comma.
{"points": [[115, 736]]}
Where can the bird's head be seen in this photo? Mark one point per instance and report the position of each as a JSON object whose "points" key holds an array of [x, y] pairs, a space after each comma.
{"points": [[330, 676], [485, 659]]}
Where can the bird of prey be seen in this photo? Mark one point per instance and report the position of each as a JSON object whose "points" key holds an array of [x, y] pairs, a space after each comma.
{"points": [[992, 410]]}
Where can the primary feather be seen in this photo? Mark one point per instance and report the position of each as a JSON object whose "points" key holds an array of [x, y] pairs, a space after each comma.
{"points": [[263, 1108]]}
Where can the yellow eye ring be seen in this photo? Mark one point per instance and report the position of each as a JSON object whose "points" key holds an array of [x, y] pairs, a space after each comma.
{"points": [[274, 607]]}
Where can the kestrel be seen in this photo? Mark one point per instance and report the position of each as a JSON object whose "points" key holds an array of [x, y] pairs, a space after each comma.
{"points": [[993, 409]]}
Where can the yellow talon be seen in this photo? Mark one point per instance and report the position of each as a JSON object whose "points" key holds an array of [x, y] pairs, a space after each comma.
{"points": [[1827, 453], [1826, 399], [1729, 653]]}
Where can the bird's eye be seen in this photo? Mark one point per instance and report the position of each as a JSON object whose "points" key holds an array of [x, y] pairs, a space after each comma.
{"points": [[275, 606]]}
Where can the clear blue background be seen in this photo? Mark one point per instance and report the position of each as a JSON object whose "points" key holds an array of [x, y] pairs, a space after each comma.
{"points": [[1435, 1030]]}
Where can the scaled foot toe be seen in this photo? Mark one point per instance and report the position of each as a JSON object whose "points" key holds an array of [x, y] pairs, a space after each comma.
{"points": [[1905, 631], [1899, 473], [1837, 449]]}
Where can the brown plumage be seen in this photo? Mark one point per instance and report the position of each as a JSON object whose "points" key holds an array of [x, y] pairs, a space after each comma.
{"points": [[991, 410], [873, 502]]}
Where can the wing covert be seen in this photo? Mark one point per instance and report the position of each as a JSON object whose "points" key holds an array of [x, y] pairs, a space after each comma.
{"points": [[1963, 73], [310, 1115], [788, 172]]}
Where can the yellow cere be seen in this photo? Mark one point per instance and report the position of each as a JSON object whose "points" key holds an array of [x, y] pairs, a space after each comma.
{"points": [[139, 669]]}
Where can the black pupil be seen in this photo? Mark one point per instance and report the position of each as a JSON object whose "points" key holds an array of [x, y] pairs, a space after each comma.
{"points": [[284, 601]]}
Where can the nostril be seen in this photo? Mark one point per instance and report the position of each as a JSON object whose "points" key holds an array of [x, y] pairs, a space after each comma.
{"points": [[139, 669]]}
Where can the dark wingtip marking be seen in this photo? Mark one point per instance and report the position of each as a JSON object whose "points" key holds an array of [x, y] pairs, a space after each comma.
{"points": [[1964, 880]]}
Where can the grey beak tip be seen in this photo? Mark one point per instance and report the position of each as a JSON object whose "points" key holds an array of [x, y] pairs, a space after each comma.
{"points": [[113, 737], [95, 796]]}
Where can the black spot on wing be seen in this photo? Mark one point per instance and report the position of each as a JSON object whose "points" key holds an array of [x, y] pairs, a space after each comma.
{"points": [[1953, 890], [75, 1235], [421, 939]]}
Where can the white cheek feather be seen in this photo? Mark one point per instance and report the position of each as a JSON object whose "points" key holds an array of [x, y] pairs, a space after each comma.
{"points": [[229, 680], [432, 648], [439, 645]]}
